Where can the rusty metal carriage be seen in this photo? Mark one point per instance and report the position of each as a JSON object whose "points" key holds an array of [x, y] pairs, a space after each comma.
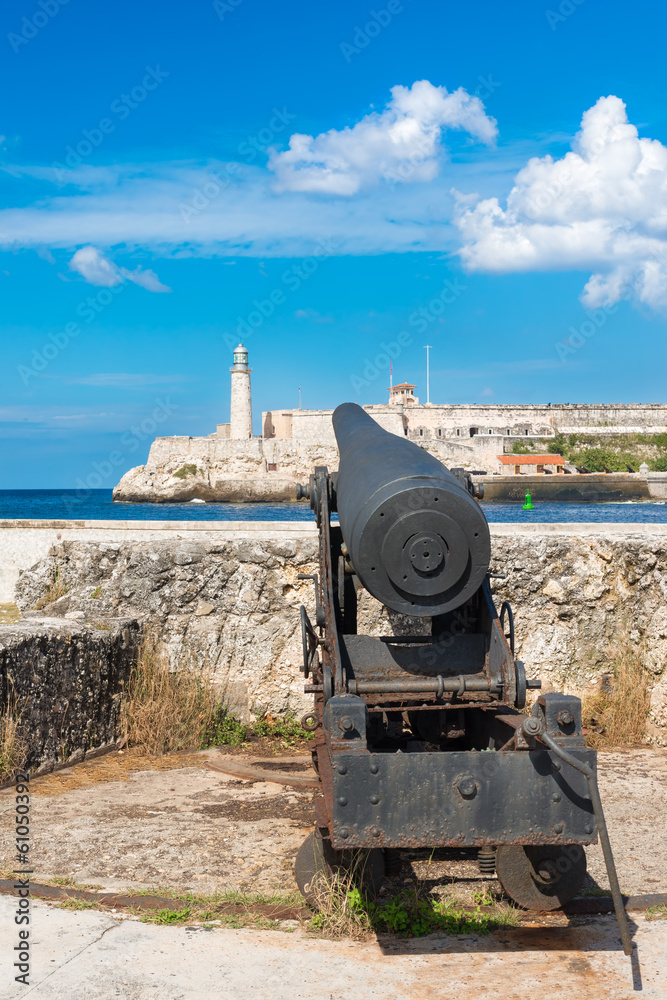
{"points": [[422, 737]]}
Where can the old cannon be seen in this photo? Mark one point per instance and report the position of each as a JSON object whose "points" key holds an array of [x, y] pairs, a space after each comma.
{"points": [[420, 738]]}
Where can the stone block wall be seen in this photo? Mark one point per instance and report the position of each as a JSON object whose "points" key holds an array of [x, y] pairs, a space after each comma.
{"points": [[66, 678], [578, 591]]}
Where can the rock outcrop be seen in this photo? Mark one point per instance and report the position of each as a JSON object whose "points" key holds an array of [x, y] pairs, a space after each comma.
{"points": [[220, 469]]}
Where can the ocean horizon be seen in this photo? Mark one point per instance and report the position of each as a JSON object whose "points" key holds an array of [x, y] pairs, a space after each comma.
{"points": [[99, 505]]}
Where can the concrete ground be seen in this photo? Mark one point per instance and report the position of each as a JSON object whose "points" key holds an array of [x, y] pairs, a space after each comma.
{"points": [[125, 823], [95, 955]]}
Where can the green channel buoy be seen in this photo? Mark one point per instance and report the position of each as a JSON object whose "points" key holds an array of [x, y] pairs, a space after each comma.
{"points": [[529, 503]]}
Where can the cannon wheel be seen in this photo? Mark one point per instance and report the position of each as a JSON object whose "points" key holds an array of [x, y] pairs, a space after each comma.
{"points": [[541, 878], [317, 865]]}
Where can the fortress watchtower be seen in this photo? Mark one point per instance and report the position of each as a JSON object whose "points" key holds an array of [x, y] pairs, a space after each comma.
{"points": [[240, 418], [403, 393]]}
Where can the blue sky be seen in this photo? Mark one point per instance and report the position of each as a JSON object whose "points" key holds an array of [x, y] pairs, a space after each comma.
{"points": [[320, 179]]}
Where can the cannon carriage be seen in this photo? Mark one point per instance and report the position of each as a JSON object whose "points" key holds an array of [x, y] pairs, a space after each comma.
{"points": [[421, 737]]}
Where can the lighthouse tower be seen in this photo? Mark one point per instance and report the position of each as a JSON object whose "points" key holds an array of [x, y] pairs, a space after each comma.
{"points": [[240, 422]]}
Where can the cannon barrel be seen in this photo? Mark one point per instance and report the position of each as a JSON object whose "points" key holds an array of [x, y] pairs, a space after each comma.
{"points": [[417, 539]]}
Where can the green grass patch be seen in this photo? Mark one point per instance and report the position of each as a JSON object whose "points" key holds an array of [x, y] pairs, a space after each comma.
{"points": [[202, 908], [198, 900], [168, 916], [601, 459], [71, 903], [616, 452], [286, 729], [658, 912], [523, 447], [69, 883], [226, 730], [410, 915], [185, 471]]}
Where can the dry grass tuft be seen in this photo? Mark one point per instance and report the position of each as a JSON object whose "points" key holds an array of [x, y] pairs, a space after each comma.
{"points": [[616, 716], [163, 710], [13, 746], [340, 910], [9, 614], [57, 588]]}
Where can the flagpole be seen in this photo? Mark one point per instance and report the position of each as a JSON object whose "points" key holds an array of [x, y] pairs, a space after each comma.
{"points": [[428, 349]]}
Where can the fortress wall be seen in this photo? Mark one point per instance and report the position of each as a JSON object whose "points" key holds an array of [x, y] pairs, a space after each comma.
{"points": [[312, 426], [230, 592], [222, 458], [444, 428]]}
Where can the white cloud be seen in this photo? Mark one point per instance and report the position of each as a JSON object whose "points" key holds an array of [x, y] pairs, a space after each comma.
{"points": [[184, 209], [402, 143], [97, 269], [314, 315], [602, 207]]}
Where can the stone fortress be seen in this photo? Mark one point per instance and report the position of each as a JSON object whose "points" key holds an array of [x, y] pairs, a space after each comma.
{"points": [[232, 464]]}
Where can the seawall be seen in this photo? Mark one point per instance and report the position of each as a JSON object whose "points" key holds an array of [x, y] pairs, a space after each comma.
{"points": [[229, 592], [23, 543], [593, 487]]}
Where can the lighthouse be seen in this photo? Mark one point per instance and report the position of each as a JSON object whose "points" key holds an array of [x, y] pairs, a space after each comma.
{"points": [[240, 422]]}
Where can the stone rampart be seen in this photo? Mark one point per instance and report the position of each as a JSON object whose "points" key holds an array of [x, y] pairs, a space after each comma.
{"points": [[230, 592], [217, 467], [66, 678]]}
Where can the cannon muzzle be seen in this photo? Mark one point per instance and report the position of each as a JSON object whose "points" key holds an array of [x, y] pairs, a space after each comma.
{"points": [[416, 538]]}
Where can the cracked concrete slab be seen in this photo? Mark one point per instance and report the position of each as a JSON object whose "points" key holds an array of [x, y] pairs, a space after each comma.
{"points": [[100, 957]]}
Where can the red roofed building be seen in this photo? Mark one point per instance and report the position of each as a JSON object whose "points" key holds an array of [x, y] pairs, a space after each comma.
{"points": [[532, 464], [404, 393]]}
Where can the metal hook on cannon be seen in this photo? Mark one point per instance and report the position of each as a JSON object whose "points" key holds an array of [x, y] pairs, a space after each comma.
{"points": [[534, 727]]}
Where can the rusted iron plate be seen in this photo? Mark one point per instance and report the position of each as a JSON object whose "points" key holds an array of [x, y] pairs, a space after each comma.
{"points": [[460, 798], [265, 770]]}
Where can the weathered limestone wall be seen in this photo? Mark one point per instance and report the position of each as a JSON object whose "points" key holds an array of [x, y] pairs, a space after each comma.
{"points": [[578, 591], [224, 469], [264, 469], [25, 543], [581, 593], [457, 419]]}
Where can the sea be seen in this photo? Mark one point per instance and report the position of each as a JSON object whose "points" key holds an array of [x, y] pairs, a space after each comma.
{"points": [[98, 505]]}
